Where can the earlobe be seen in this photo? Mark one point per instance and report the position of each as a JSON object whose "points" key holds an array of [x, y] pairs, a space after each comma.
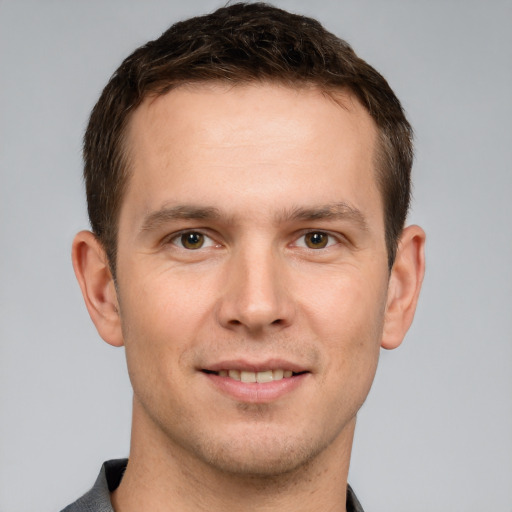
{"points": [[95, 279], [404, 286]]}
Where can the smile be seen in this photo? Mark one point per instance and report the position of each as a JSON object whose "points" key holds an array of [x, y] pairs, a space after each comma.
{"points": [[256, 383], [255, 377]]}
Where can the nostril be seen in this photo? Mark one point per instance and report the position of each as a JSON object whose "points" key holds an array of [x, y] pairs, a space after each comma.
{"points": [[277, 322]]}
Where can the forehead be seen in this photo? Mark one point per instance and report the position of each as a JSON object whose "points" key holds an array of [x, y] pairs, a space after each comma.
{"points": [[249, 140], [190, 110]]}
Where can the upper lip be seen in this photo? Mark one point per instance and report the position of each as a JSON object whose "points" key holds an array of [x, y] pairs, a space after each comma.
{"points": [[255, 366]]}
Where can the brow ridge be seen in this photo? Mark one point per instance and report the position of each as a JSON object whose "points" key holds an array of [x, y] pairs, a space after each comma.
{"points": [[167, 214], [332, 211]]}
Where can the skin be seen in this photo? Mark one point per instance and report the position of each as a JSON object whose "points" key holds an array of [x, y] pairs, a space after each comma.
{"points": [[259, 172]]}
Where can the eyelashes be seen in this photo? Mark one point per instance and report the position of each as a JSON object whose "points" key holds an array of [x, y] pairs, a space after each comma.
{"points": [[316, 240], [194, 240]]}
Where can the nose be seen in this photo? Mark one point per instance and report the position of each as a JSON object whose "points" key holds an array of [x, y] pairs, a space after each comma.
{"points": [[256, 297]]}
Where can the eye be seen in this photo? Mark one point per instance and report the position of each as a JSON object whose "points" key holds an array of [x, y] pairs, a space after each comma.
{"points": [[316, 240], [192, 240]]}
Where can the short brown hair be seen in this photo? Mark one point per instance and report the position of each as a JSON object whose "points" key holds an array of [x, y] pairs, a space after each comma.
{"points": [[240, 43]]}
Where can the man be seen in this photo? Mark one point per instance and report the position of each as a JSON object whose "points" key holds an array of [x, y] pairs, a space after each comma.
{"points": [[248, 180]]}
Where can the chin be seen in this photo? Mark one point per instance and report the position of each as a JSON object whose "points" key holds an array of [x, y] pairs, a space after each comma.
{"points": [[261, 457]]}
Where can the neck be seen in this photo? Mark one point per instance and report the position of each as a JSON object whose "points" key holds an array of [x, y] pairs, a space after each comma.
{"points": [[164, 477]]}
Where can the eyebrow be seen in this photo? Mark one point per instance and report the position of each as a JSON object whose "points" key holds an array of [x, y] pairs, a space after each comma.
{"points": [[332, 211], [167, 214]]}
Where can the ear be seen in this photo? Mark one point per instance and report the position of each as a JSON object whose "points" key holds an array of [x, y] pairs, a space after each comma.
{"points": [[404, 286], [93, 273]]}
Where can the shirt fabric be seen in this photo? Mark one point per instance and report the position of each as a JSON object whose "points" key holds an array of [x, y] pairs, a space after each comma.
{"points": [[98, 498]]}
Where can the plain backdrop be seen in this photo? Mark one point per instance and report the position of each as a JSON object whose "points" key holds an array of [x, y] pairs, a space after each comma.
{"points": [[436, 431]]}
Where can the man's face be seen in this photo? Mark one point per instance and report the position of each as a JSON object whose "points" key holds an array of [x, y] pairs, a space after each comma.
{"points": [[251, 246]]}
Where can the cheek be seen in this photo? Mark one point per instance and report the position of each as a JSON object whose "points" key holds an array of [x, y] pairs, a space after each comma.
{"points": [[348, 304], [348, 319], [165, 317], [164, 303]]}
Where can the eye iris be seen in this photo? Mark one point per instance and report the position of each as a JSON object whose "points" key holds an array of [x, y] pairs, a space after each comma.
{"points": [[316, 240], [192, 240]]}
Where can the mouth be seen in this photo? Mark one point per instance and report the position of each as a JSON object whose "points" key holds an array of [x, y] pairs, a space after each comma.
{"points": [[260, 377], [262, 382]]}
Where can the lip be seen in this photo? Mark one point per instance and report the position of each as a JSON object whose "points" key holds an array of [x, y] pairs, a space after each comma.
{"points": [[256, 393], [255, 366]]}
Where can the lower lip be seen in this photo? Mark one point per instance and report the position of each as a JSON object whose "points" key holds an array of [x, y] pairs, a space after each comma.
{"points": [[254, 392]]}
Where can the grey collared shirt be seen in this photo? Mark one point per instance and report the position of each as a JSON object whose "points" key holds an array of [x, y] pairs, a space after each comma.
{"points": [[98, 498]]}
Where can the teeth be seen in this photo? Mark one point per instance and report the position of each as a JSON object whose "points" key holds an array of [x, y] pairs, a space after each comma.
{"points": [[265, 376], [234, 374], [261, 377], [278, 374], [247, 376]]}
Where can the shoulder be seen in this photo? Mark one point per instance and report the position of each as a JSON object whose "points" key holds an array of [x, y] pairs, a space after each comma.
{"points": [[353, 504], [98, 498]]}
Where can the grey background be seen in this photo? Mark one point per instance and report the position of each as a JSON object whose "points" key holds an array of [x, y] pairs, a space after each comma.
{"points": [[436, 432]]}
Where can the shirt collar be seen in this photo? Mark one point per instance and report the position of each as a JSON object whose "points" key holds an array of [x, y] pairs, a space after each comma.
{"points": [[112, 471]]}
